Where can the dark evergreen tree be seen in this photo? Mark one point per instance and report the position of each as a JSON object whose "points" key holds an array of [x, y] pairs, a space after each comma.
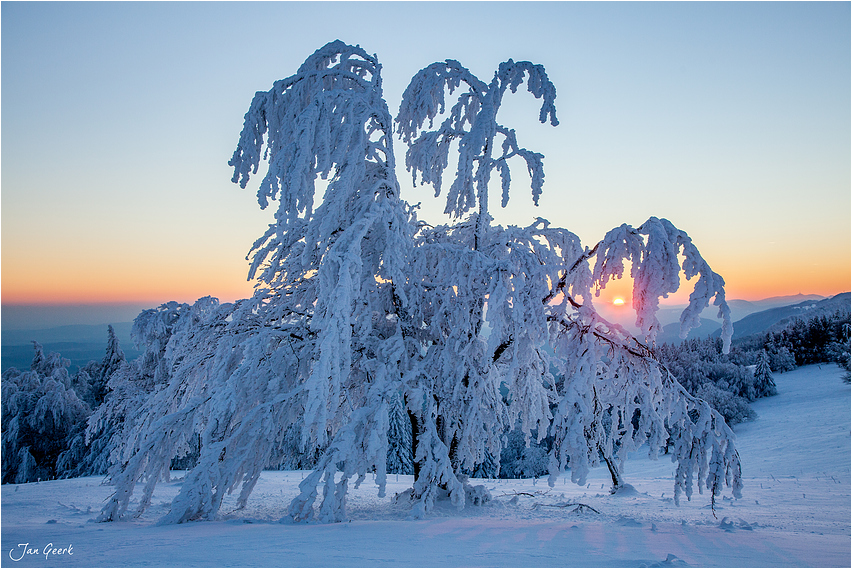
{"points": [[113, 359], [522, 457]]}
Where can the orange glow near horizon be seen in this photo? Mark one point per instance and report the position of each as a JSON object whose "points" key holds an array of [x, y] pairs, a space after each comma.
{"points": [[128, 288], [154, 281], [152, 288], [187, 291]]}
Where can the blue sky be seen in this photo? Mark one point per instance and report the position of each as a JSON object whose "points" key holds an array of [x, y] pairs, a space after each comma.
{"points": [[730, 119]]}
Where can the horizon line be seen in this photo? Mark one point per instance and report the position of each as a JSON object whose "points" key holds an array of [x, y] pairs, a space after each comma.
{"points": [[155, 303]]}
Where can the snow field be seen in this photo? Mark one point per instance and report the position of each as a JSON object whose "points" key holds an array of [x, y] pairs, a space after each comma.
{"points": [[795, 511]]}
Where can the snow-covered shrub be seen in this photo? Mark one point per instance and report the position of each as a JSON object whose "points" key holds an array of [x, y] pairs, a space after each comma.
{"points": [[781, 359], [698, 363], [733, 408]]}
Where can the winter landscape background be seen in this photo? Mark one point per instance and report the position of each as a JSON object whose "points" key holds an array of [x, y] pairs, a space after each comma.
{"points": [[794, 512], [472, 386]]}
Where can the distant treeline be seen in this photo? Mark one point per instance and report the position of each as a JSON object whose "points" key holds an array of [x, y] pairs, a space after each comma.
{"points": [[730, 381]]}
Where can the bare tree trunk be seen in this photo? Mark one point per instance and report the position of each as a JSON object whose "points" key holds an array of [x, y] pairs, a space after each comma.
{"points": [[415, 437], [617, 481]]}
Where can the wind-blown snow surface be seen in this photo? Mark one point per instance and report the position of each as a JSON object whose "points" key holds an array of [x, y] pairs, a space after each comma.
{"points": [[795, 511]]}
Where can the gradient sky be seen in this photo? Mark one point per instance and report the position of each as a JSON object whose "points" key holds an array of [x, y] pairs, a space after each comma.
{"points": [[732, 120]]}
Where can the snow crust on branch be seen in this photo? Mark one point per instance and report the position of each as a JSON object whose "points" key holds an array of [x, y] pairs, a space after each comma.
{"points": [[472, 122], [653, 250]]}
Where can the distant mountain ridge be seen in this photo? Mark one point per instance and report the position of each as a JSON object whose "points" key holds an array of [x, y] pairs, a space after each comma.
{"points": [[739, 308], [780, 317], [671, 332], [75, 333], [80, 343], [751, 317]]}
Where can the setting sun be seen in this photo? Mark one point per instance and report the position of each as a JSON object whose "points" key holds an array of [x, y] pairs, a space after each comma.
{"points": [[618, 301]]}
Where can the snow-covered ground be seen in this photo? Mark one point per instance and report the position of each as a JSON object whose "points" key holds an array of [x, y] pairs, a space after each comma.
{"points": [[794, 511]]}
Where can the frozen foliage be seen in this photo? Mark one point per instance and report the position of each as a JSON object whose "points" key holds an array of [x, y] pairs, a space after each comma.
{"points": [[653, 250], [45, 415], [42, 415], [366, 321], [472, 123]]}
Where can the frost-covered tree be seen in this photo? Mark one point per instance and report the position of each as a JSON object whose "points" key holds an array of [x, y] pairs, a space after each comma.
{"points": [[341, 266], [113, 359], [130, 386], [764, 385], [453, 391], [41, 414], [87, 455], [360, 310], [90, 382]]}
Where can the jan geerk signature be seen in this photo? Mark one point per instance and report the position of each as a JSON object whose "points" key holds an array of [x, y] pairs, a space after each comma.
{"points": [[49, 550]]}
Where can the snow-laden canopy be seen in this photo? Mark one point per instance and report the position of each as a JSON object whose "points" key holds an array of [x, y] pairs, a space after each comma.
{"points": [[474, 327]]}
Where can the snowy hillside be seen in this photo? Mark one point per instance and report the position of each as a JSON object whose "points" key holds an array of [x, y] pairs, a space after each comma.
{"points": [[794, 511]]}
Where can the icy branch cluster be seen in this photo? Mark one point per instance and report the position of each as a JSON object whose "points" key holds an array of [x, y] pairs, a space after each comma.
{"points": [[362, 313]]}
